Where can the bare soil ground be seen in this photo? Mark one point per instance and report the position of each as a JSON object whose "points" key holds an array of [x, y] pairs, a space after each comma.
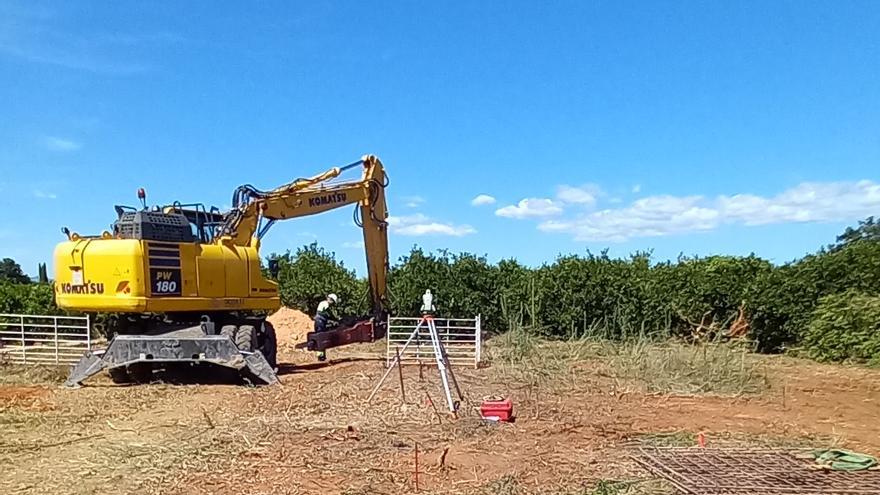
{"points": [[316, 434]]}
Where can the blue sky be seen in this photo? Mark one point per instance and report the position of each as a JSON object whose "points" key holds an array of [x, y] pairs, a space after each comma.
{"points": [[694, 127]]}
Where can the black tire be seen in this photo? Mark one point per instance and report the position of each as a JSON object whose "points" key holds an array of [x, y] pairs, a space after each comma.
{"points": [[119, 375], [140, 372], [246, 338], [228, 331], [269, 345]]}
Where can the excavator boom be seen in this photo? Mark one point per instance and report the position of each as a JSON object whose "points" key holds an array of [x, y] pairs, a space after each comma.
{"points": [[255, 211]]}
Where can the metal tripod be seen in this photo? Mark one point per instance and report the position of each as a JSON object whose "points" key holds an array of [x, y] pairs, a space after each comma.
{"points": [[443, 365]]}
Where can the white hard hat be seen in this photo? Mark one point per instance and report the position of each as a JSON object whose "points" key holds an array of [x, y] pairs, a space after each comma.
{"points": [[333, 297]]}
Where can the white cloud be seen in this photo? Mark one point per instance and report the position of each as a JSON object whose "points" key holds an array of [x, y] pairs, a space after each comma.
{"points": [[413, 201], [61, 144], [807, 202], [395, 220], [44, 195], [530, 208], [637, 188], [353, 244], [584, 195], [483, 199], [420, 225], [648, 217], [668, 215]]}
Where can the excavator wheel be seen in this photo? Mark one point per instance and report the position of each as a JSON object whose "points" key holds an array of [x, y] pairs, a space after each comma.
{"points": [[246, 338], [269, 344], [133, 373], [119, 375], [140, 372], [228, 331]]}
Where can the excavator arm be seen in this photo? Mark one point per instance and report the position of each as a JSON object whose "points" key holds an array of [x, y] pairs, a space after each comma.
{"points": [[255, 211]]}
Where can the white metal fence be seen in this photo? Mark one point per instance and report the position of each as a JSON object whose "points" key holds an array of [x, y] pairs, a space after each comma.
{"points": [[40, 339], [461, 337]]}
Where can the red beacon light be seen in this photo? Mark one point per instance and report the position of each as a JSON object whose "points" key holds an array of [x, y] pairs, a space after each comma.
{"points": [[142, 195]]}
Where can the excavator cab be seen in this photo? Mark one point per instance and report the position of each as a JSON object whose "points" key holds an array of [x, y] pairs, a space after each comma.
{"points": [[155, 225], [168, 223], [204, 222]]}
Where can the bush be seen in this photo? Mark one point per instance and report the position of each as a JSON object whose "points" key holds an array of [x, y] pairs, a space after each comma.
{"points": [[306, 277], [581, 294], [783, 306], [706, 292], [845, 326], [35, 299], [464, 285]]}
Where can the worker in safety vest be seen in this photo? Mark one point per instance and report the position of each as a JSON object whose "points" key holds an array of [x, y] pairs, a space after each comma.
{"points": [[322, 317]]}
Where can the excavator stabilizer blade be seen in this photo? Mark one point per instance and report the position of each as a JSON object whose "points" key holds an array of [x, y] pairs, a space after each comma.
{"points": [[90, 364], [171, 348]]}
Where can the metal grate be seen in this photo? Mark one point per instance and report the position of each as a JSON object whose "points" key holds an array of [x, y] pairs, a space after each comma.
{"points": [[38, 339], [154, 226], [461, 338], [705, 471]]}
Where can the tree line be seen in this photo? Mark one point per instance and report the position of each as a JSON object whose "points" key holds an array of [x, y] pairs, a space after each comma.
{"points": [[826, 305]]}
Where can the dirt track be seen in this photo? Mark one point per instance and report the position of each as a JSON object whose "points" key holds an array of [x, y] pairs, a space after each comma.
{"points": [[315, 434]]}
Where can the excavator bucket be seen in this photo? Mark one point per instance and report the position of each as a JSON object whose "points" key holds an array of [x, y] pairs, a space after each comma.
{"points": [[190, 345]]}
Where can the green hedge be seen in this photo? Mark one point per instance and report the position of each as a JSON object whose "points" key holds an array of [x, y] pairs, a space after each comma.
{"points": [[308, 275], [597, 295], [35, 299], [845, 326]]}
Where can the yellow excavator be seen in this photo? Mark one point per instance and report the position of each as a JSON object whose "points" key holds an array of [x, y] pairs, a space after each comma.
{"points": [[184, 284]]}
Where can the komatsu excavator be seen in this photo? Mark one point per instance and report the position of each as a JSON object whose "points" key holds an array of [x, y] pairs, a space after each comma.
{"points": [[185, 284]]}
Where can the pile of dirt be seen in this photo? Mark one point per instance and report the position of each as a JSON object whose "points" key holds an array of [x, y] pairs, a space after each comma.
{"points": [[291, 326]]}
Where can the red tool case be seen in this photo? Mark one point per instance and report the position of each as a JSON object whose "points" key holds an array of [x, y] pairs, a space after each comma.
{"points": [[496, 408]]}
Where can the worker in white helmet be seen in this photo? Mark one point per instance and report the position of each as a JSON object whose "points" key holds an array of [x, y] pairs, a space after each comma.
{"points": [[322, 317]]}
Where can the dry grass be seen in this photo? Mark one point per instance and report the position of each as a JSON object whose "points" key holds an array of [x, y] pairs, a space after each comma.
{"points": [[509, 485], [738, 440], [668, 366], [678, 368], [21, 374]]}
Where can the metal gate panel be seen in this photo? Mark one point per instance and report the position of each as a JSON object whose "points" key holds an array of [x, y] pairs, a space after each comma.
{"points": [[43, 339], [461, 337]]}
